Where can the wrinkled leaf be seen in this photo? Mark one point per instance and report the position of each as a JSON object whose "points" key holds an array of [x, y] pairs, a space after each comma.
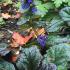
{"points": [[29, 59], [56, 39], [22, 21], [65, 13], [6, 65], [54, 25], [58, 54]]}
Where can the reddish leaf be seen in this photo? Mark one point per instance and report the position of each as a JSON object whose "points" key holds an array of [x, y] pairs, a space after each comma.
{"points": [[19, 39]]}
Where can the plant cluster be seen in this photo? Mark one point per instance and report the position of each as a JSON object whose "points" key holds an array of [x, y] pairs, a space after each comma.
{"points": [[49, 20]]}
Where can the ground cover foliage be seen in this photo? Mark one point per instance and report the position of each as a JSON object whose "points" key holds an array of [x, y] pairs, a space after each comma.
{"points": [[48, 52]]}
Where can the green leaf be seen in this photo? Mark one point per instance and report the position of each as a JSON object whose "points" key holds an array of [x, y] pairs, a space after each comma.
{"points": [[3, 45], [1, 21], [4, 65], [65, 13], [18, 4], [56, 39], [3, 50], [22, 20], [40, 23], [37, 2], [58, 54], [60, 67], [68, 2], [55, 25], [49, 5], [7, 1], [29, 59], [41, 8], [58, 3]]}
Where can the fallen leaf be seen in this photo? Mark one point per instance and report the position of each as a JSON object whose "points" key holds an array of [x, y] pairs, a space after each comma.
{"points": [[18, 39]]}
